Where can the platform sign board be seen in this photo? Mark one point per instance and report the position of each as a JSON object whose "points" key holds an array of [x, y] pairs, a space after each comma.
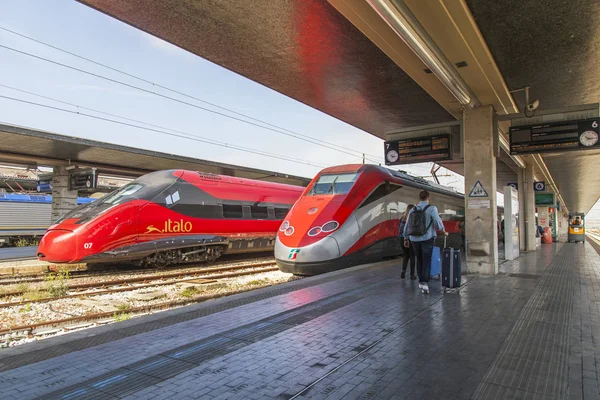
{"points": [[82, 179], [544, 199], [511, 223], [513, 185], [539, 186], [418, 149], [555, 137]]}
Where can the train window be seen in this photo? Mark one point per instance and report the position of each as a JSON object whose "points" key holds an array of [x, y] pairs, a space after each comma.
{"points": [[333, 184], [172, 198], [233, 211], [259, 212], [381, 191], [281, 212]]}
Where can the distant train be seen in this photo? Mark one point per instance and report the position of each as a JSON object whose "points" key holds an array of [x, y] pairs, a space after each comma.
{"points": [[349, 215], [172, 217], [24, 217]]}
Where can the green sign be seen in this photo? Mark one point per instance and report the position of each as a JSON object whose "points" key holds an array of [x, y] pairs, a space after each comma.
{"points": [[543, 199]]}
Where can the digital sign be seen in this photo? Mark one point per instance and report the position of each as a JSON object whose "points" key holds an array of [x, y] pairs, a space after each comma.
{"points": [[416, 150], [544, 199], [555, 137]]}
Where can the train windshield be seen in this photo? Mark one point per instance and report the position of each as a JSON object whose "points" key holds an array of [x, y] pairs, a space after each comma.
{"points": [[125, 193], [146, 187], [333, 184]]}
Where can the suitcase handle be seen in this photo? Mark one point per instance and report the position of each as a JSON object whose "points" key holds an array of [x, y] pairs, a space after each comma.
{"points": [[445, 241]]}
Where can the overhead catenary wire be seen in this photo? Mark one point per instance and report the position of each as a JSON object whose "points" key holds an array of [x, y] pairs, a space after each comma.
{"points": [[194, 138], [212, 141], [317, 142], [104, 65]]}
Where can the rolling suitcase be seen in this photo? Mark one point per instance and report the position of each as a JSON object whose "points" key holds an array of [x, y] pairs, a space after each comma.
{"points": [[451, 271], [436, 267]]}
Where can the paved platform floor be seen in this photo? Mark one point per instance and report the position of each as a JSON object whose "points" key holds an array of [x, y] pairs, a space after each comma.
{"points": [[530, 332]]}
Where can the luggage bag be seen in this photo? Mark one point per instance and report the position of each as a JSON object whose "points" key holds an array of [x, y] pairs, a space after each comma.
{"points": [[451, 270]]}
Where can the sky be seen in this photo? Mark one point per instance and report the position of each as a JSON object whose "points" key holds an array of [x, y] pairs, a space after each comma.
{"points": [[84, 31]]}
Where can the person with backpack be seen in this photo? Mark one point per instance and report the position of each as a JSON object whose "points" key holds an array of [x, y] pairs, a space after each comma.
{"points": [[408, 253], [420, 231]]}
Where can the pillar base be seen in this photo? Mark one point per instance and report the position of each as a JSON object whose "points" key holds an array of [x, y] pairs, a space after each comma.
{"points": [[481, 268]]}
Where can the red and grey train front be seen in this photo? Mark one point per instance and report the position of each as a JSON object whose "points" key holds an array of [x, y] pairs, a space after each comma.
{"points": [[349, 215], [322, 232]]}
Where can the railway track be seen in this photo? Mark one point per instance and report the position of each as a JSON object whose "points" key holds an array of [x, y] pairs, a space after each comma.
{"points": [[8, 280], [102, 318], [22, 331], [208, 275]]}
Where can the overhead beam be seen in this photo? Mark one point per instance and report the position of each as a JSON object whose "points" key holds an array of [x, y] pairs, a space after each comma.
{"points": [[20, 159], [366, 19]]}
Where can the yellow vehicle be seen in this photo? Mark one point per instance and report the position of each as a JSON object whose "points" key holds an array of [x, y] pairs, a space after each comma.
{"points": [[576, 228]]}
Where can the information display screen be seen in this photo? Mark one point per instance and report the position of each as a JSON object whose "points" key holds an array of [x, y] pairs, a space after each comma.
{"points": [[555, 137], [416, 150], [544, 199]]}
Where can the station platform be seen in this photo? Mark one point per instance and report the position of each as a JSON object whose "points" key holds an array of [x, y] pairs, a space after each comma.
{"points": [[530, 332]]}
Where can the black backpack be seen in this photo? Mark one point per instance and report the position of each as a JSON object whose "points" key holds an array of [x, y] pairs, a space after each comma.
{"points": [[417, 222]]}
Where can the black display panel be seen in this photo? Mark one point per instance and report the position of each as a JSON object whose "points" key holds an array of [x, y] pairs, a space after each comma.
{"points": [[416, 150], [555, 137]]}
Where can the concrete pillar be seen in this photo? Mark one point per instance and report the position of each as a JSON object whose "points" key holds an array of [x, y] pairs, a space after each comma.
{"points": [[527, 199], [480, 210], [522, 207], [63, 199]]}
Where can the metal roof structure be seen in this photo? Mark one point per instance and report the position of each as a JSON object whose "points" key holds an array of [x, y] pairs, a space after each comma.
{"points": [[341, 57], [31, 147]]}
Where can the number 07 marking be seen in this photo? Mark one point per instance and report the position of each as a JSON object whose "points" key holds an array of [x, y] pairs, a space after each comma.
{"points": [[87, 246]]}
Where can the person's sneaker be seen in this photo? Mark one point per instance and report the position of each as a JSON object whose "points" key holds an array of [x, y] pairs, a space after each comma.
{"points": [[425, 288], [414, 277], [420, 285], [403, 275]]}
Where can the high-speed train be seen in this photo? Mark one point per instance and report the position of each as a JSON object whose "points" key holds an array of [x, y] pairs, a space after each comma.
{"points": [[169, 217], [350, 215]]}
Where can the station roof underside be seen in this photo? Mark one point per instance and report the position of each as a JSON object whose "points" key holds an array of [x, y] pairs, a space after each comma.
{"points": [[24, 146], [339, 57]]}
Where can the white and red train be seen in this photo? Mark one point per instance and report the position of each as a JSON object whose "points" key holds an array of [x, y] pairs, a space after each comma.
{"points": [[171, 217], [349, 215]]}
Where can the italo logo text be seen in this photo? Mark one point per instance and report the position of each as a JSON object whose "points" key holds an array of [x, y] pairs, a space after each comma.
{"points": [[171, 227]]}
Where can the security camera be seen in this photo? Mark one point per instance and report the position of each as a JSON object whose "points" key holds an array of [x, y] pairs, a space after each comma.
{"points": [[533, 106]]}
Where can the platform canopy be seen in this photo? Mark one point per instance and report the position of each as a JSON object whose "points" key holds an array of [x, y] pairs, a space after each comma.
{"points": [[341, 57], [30, 147]]}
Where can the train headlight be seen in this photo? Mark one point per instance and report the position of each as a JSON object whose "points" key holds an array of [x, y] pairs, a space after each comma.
{"points": [[289, 231], [326, 228], [284, 226], [330, 226], [314, 231]]}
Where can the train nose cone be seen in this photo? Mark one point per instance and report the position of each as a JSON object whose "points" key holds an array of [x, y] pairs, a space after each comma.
{"points": [[58, 246]]}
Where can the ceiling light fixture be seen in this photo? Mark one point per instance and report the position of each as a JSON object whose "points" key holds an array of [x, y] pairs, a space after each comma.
{"points": [[399, 17]]}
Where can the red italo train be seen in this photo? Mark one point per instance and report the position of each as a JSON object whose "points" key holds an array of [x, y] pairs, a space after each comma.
{"points": [[171, 217], [349, 215]]}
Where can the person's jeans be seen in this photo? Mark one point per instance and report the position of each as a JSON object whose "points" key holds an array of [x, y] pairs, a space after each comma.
{"points": [[409, 255], [423, 252]]}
